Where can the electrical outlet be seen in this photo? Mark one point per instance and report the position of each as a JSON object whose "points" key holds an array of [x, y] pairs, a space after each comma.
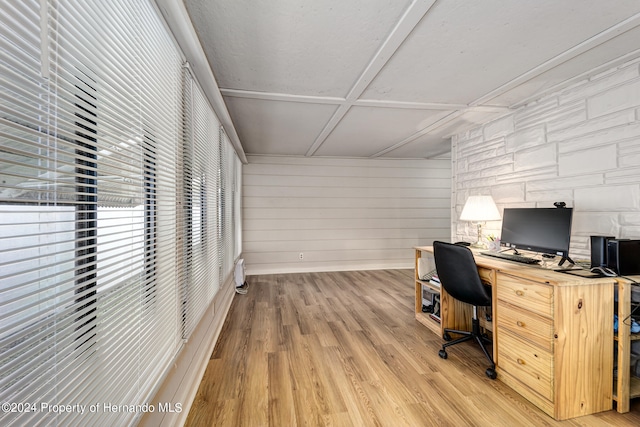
{"points": [[301, 255]]}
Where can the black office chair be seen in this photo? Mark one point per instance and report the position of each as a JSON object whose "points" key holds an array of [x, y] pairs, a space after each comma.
{"points": [[459, 277]]}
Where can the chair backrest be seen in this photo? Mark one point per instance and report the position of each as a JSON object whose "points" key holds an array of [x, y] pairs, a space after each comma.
{"points": [[458, 274]]}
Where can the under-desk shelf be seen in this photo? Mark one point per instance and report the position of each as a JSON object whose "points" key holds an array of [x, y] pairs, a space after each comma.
{"points": [[427, 319], [634, 388], [632, 337], [627, 385], [429, 285], [429, 322]]}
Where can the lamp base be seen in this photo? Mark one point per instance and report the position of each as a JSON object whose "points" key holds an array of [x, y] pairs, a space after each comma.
{"points": [[479, 244]]}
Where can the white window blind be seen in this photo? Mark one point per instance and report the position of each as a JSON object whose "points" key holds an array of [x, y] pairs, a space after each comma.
{"points": [[226, 210], [224, 207], [89, 302], [237, 206], [201, 183]]}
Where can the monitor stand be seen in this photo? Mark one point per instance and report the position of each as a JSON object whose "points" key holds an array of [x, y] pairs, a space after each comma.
{"points": [[566, 258]]}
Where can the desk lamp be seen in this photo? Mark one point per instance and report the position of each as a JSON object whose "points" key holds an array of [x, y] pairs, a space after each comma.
{"points": [[479, 209]]}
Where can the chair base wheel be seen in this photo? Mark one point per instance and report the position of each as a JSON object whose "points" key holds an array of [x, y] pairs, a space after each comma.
{"points": [[446, 336], [442, 353], [491, 373]]}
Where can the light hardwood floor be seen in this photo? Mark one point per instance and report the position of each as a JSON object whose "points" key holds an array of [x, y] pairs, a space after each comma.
{"points": [[344, 349]]}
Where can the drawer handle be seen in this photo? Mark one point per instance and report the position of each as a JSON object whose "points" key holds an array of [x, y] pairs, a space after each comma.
{"points": [[519, 323], [520, 293], [521, 362]]}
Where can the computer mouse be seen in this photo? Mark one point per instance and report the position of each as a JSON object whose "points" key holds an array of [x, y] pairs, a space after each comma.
{"points": [[604, 271], [462, 243]]}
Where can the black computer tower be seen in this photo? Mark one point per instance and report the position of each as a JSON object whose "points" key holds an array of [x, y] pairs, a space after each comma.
{"points": [[599, 250], [623, 256]]}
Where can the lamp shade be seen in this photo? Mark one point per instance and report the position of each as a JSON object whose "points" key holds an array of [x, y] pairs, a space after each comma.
{"points": [[480, 208]]}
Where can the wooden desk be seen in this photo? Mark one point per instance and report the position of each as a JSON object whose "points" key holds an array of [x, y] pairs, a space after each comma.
{"points": [[552, 333]]}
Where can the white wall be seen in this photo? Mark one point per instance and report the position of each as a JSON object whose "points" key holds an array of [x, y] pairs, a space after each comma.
{"points": [[342, 214], [580, 146]]}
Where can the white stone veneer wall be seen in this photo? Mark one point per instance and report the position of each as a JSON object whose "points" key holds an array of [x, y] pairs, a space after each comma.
{"points": [[580, 146]]}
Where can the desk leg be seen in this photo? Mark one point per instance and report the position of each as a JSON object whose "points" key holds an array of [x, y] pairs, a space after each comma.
{"points": [[494, 317], [624, 346]]}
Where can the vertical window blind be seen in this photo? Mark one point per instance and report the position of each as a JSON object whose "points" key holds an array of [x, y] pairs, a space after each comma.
{"points": [[118, 218]]}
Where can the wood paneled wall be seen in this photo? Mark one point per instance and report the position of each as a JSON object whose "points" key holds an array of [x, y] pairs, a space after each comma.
{"points": [[341, 214]]}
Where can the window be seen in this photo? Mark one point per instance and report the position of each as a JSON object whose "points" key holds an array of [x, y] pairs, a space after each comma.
{"points": [[88, 294], [201, 181], [119, 206]]}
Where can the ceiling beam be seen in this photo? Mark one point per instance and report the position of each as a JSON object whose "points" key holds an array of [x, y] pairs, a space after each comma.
{"points": [[411, 17], [480, 103], [407, 105], [285, 97], [580, 48], [443, 121], [310, 99], [602, 68]]}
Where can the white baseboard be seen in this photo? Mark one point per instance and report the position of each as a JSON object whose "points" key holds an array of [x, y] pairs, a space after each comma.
{"points": [[255, 271], [182, 382]]}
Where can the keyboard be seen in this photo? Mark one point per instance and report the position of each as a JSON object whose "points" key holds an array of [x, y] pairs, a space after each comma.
{"points": [[511, 257]]}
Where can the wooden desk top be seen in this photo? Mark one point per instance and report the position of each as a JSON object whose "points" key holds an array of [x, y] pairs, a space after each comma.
{"points": [[530, 271]]}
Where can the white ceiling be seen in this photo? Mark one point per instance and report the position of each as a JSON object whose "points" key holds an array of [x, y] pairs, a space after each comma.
{"points": [[396, 78]]}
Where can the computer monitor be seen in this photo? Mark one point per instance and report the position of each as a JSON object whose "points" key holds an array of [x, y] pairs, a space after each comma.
{"points": [[545, 230]]}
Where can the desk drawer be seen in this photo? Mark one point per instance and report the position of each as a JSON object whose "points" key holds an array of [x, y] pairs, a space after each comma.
{"points": [[528, 363], [526, 325], [532, 296]]}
